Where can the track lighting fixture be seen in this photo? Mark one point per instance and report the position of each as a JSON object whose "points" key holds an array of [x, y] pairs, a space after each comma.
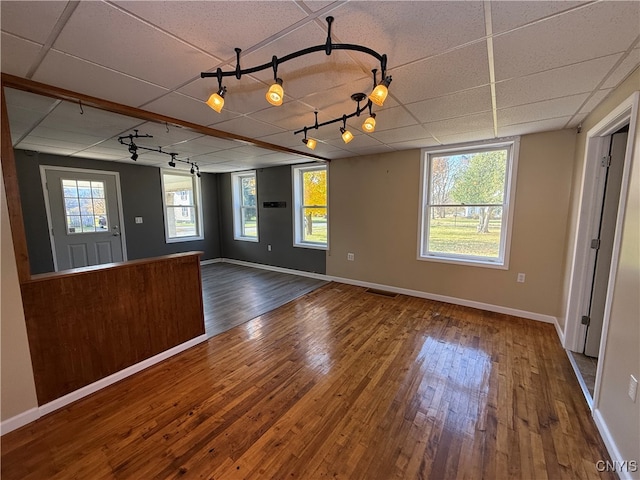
{"points": [[275, 94], [310, 142], [369, 125], [347, 136], [133, 149], [379, 94], [216, 100]]}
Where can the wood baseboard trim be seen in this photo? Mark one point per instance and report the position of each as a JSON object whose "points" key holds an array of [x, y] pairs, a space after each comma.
{"points": [[29, 416]]}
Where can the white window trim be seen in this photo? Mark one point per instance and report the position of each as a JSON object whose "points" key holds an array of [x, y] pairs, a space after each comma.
{"points": [[298, 223], [509, 204], [197, 204], [237, 206]]}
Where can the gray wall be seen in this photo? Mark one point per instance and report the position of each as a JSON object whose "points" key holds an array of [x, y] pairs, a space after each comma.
{"points": [[275, 225], [141, 197]]}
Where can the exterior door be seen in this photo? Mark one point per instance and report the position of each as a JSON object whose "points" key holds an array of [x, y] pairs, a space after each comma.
{"points": [[83, 217], [603, 242]]}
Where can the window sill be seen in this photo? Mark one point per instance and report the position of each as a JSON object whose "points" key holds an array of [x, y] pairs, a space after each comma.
{"points": [[246, 239], [465, 262], [313, 246], [183, 239]]}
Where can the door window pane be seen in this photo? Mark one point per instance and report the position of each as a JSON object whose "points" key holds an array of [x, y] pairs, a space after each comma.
{"points": [[85, 206]]}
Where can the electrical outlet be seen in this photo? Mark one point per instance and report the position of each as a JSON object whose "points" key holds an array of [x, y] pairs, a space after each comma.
{"points": [[138, 219], [351, 257], [521, 277], [268, 248], [633, 388]]}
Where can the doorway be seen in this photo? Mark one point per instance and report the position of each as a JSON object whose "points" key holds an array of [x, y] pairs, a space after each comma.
{"points": [[597, 240], [84, 217]]}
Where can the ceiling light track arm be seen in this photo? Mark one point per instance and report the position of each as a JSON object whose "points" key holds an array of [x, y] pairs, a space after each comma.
{"points": [[327, 47], [336, 120]]}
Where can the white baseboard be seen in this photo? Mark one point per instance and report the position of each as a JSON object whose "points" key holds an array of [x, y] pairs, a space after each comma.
{"points": [[456, 301], [210, 261], [612, 448], [35, 413], [19, 420], [413, 293], [301, 273]]}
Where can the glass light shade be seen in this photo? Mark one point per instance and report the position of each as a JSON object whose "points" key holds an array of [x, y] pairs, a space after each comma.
{"points": [[275, 95], [216, 101], [369, 125], [379, 95], [310, 143], [347, 136]]}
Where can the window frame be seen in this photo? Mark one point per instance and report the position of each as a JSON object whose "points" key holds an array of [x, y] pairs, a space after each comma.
{"points": [[298, 205], [237, 199], [508, 202], [197, 205]]}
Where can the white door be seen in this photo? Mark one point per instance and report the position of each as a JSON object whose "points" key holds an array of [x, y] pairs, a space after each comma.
{"points": [[84, 217], [603, 242]]}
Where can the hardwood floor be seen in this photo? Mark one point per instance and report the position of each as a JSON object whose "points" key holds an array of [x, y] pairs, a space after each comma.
{"points": [[234, 294], [338, 383]]}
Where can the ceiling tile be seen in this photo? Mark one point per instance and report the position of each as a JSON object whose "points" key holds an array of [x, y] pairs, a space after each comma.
{"points": [[484, 134], [595, 100], [470, 123], [628, 65], [405, 31], [389, 118], [244, 125], [19, 18], [567, 39], [25, 111], [397, 135], [106, 36], [460, 69], [510, 14], [547, 109], [533, 127], [77, 75], [70, 117], [579, 78], [411, 144], [18, 55], [215, 27], [455, 105]]}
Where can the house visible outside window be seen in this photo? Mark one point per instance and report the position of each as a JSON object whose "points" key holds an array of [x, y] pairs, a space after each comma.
{"points": [[245, 206], [467, 203], [182, 212], [311, 216]]}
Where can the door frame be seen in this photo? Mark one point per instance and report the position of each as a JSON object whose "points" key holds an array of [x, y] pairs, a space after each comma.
{"points": [[597, 146], [43, 178]]}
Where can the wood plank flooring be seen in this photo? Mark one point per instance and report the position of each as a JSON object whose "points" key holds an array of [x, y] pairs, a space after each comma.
{"points": [[234, 294], [338, 383]]}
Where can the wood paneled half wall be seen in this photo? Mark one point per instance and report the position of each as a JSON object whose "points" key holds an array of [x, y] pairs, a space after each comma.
{"points": [[86, 324]]}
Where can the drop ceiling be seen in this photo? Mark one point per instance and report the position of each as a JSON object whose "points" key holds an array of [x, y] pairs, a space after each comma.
{"points": [[462, 71]]}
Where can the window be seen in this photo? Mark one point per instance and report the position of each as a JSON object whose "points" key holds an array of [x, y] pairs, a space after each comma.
{"points": [[85, 206], [245, 206], [467, 203], [310, 206], [182, 212]]}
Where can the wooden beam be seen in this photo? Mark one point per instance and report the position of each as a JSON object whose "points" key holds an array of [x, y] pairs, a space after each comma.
{"points": [[26, 85], [14, 204]]}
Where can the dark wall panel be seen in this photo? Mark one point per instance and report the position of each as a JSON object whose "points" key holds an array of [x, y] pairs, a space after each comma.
{"points": [[141, 197], [275, 225]]}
